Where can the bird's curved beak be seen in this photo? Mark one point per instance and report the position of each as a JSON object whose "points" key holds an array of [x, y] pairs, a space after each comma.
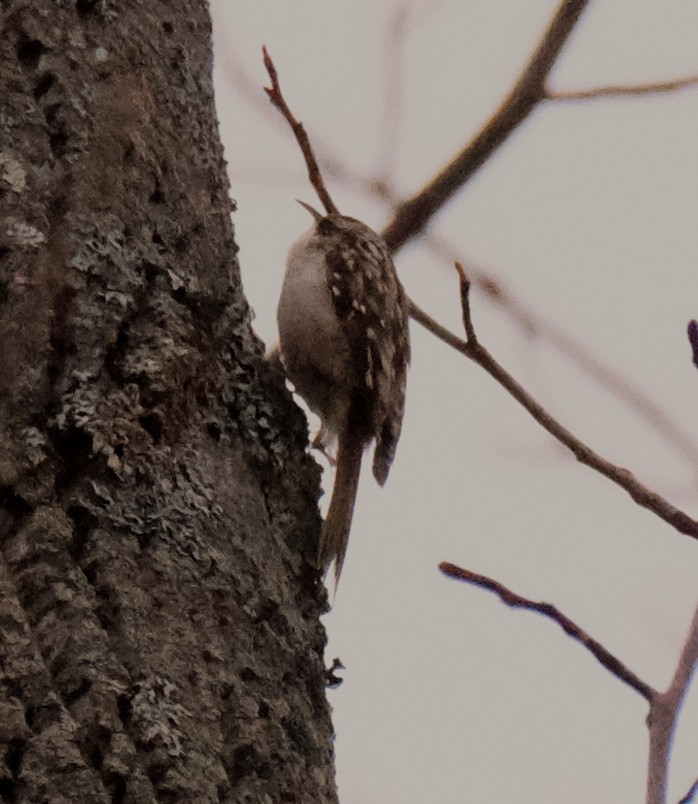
{"points": [[317, 215]]}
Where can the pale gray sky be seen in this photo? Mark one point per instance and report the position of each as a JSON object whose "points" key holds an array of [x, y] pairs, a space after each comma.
{"points": [[588, 215]]}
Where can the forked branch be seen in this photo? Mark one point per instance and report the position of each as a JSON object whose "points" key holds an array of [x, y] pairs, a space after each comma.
{"points": [[664, 706], [474, 350]]}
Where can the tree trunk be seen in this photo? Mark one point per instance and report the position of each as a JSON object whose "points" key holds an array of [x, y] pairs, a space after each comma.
{"points": [[159, 631]]}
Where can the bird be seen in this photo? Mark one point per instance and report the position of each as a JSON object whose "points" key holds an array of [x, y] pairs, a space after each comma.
{"points": [[345, 346]]}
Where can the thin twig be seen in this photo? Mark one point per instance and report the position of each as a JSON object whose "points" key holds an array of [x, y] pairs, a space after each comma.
{"points": [[621, 90], [510, 598], [465, 305], [691, 793], [693, 340], [474, 350], [433, 326], [584, 454], [275, 96], [527, 93]]}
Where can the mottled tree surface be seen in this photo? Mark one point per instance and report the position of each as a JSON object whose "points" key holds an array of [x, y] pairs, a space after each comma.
{"points": [[159, 633]]}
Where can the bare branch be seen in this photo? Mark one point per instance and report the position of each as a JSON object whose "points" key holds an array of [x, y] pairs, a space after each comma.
{"points": [[584, 454], [664, 710], [526, 94], [510, 598], [621, 90], [277, 99]]}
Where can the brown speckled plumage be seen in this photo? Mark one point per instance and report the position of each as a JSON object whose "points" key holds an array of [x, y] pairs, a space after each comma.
{"points": [[345, 344]]}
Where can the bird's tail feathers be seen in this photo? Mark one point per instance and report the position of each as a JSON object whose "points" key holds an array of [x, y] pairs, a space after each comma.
{"points": [[335, 531]]}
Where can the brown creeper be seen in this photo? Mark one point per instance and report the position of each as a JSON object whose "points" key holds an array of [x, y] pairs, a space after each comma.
{"points": [[345, 346]]}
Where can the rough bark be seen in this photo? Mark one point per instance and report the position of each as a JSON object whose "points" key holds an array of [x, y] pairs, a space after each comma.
{"points": [[159, 632]]}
